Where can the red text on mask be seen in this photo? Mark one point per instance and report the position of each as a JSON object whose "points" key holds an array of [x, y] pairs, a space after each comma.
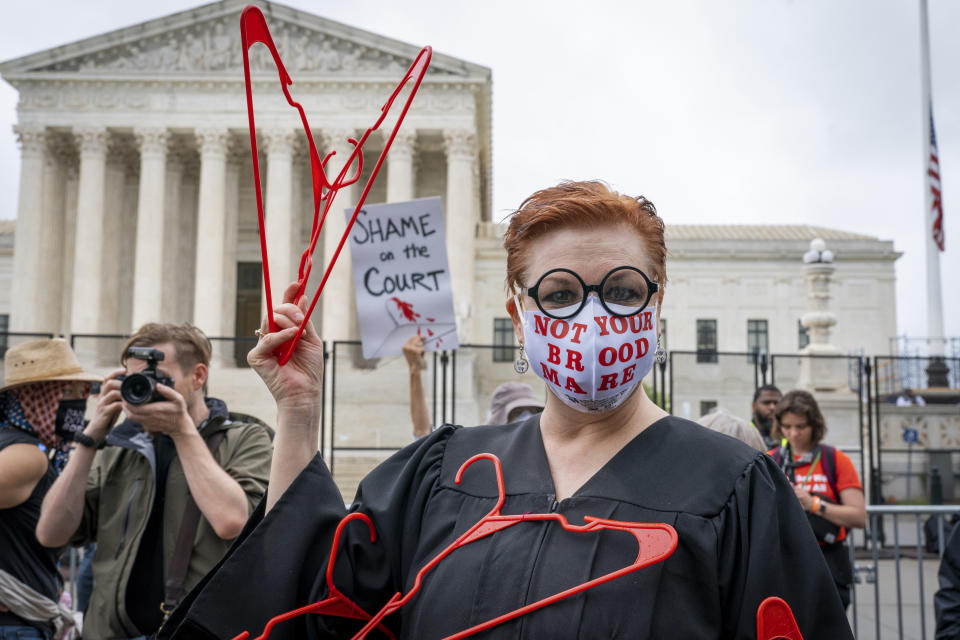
{"points": [[559, 329], [633, 324]]}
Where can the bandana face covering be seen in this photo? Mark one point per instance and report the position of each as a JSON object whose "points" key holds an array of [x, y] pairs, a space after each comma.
{"points": [[40, 402], [35, 409], [593, 361]]}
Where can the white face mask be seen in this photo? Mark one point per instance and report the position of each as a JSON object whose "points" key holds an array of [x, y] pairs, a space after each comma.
{"points": [[593, 361]]}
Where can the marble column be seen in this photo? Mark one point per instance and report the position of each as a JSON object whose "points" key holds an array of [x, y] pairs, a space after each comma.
{"points": [[400, 162], [85, 315], [211, 222], [171, 235], [25, 294], [339, 307], [118, 260], [278, 209], [71, 178], [148, 261], [230, 237], [461, 220], [51, 246]]}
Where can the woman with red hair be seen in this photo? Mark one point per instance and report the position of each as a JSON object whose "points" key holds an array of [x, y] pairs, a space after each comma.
{"points": [[586, 272]]}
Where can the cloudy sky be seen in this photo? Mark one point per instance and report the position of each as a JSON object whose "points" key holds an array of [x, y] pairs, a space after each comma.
{"points": [[742, 111]]}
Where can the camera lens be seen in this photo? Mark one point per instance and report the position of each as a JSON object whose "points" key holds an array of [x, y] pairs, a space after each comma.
{"points": [[137, 389]]}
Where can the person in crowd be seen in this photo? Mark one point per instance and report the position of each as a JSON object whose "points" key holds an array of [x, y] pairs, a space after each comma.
{"points": [[509, 402], [824, 480], [586, 270], [946, 602], [909, 399], [42, 404], [723, 421], [179, 467], [413, 353], [765, 399], [512, 401], [85, 578]]}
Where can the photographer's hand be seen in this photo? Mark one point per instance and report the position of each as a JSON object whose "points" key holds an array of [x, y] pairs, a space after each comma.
{"points": [[109, 405], [168, 416]]}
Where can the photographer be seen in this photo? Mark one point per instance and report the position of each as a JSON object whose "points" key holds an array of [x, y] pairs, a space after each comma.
{"points": [[824, 480], [173, 486]]}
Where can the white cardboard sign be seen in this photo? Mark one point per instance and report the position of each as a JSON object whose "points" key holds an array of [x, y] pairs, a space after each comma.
{"points": [[401, 277]]}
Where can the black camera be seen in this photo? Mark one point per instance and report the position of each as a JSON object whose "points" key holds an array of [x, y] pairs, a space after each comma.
{"points": [[141, 388]]}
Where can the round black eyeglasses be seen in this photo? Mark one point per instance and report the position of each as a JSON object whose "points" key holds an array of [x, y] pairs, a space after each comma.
{"points": [[561, 293]]}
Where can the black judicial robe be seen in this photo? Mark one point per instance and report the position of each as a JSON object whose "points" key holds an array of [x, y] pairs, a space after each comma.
{"points": [[742, 537]]}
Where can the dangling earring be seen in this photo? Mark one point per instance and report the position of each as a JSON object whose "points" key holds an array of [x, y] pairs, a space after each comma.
{"points": [[521, 364], [660, 355]]}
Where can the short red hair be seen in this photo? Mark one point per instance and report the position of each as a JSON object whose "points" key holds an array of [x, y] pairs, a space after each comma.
{"points": [[581, 204]]}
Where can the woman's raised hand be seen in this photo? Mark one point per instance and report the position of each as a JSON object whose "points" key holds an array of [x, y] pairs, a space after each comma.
{"points": [[298, 383]]}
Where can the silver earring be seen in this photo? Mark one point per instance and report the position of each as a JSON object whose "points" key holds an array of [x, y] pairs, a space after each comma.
{"points": [[521, 364], [660, 355]]}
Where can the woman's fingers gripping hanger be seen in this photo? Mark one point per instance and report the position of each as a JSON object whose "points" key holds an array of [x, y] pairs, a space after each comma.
{"points": [[656, 541], [775, 621], [336, 604], [253, 29]]}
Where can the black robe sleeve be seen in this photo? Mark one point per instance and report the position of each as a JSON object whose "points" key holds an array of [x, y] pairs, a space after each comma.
{"points": [[279, 561], [946, 602], [768, 549]]}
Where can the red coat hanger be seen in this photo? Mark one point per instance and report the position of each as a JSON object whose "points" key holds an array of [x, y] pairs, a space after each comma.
{"points": [[656, 542], [336, 604], [253, 29], [775, 621]]}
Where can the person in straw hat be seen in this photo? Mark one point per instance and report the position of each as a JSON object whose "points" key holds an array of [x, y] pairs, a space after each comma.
{"points": [[42, 404]]}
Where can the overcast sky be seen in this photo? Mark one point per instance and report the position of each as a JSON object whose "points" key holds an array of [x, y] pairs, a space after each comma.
{"points": [[765, 111]]}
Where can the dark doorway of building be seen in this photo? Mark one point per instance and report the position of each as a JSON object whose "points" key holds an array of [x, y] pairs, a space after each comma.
{"points": [[249, 285]]}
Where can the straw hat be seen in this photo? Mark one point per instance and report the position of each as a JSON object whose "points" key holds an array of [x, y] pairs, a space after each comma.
{"points": [[42, 361]]}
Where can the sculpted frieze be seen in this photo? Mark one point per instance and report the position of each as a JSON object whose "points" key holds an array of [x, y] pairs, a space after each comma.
{"points": [[215, 46]]}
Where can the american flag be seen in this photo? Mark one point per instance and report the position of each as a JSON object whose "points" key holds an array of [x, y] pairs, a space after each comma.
{"points": [[933, 178]]}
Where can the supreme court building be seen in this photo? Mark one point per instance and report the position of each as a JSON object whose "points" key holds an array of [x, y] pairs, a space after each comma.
{"points": [[136, 191]]}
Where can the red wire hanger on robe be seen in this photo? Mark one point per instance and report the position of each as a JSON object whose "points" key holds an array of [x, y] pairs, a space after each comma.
{"points": [[336, 604], [775, 621], [656, 542], [253, 29]]}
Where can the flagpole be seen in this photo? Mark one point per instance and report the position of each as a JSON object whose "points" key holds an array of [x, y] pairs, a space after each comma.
{"points": [[934, 296]]}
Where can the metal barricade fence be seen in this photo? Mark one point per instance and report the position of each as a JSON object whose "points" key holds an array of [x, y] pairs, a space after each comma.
{"points": [[888, 599]]}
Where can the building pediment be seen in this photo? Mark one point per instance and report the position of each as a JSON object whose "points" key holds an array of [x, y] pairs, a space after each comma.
{"points": [[206, 41]]}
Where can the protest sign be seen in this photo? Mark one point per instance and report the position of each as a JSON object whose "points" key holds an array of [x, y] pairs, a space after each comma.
{"points": [[401, 277]]}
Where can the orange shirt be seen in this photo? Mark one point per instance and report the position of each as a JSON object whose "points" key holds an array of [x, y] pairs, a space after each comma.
{"points": [[816, 483]]}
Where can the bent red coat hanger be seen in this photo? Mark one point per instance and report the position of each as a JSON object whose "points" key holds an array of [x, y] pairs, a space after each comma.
{"points": [[253, 29], [336, 604], [775, 621], [656, 542]]}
